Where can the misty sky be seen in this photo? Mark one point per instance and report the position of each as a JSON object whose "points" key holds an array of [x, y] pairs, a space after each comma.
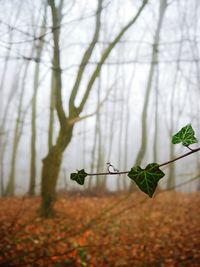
{"points": [[121, 85]]}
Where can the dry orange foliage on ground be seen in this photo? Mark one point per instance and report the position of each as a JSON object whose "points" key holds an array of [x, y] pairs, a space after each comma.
{"points": [[116, 230]]}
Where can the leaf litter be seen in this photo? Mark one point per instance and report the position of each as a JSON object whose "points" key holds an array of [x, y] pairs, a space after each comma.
{"points": [[116, 230]]}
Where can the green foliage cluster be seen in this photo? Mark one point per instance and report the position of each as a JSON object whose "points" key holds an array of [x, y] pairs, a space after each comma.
{"points": [[147, 179]]}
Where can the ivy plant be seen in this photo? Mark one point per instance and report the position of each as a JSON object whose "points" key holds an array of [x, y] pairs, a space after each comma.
{"points": [[79, 176], [186, 136], [147, 179]]}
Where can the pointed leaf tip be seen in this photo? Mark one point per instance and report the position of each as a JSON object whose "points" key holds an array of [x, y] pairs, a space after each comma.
{"points": [[186, 136], [79, 177], [146, 179]]}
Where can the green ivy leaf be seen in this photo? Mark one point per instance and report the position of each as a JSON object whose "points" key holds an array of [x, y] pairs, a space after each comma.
{"points": [[146, 179], [79, 177], [185, 136]]}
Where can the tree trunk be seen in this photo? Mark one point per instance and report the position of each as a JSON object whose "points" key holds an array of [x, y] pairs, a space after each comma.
{"points": [[174, 119], [51, 115], [17, 134], [31, 191], [172, 170], [5, 138], [155, 140], [39, 49], [10, 190], [50, 172], [154, 59]]}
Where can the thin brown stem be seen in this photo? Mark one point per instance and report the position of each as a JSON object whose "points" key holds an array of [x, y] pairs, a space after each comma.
{"points": [[183, 156], [160, 165]]}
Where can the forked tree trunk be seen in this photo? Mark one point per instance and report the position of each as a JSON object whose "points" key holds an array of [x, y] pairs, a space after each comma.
{"points": [[52, 162]]}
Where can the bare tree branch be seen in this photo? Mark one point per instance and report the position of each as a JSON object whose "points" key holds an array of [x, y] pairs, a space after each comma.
{"points": [[105, 55], [56, 65], [85, 60], [77, 119]]}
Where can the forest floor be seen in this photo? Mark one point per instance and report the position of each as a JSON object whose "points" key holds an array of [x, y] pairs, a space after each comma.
{"points": [[116, 230]]}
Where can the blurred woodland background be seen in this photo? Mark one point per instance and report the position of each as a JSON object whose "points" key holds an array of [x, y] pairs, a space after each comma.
{"points": [[84, 83], [88, 82]]}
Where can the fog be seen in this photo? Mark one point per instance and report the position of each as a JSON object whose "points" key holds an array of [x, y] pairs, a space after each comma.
{"points": [[155, 64]]}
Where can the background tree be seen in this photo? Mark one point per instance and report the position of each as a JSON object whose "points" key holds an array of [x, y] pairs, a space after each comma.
{"points": [[17, 134], [38, 53], [52, 162], [154, 60]]}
